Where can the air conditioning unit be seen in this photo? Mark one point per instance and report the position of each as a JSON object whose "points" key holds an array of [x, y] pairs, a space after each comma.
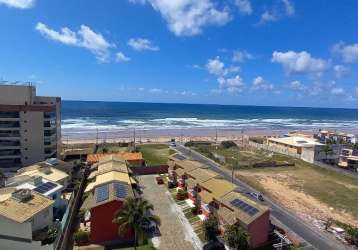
{"points": [[22, 195]]}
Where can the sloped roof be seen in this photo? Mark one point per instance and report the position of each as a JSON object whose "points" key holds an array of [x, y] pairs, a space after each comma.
{"points": [[218, 187], [109, 177], [91, 201], [108, 166], [238, 213], [202, 175], [127, 156]]}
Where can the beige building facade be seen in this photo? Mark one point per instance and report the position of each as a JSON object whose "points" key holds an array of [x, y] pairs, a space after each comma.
{"points": [[30, 126]]}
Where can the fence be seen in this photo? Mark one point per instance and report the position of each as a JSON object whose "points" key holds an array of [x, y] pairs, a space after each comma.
{"points": [[274, 149], [146, 170], [64, 241]]}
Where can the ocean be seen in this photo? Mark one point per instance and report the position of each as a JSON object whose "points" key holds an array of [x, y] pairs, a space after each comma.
{"points": [[86, 119]]}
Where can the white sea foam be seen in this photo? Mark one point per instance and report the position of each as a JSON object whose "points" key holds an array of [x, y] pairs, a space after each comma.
{"points": [[88, 125]]}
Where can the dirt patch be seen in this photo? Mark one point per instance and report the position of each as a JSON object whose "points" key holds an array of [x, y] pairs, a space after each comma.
{"points": [[285, 188]]}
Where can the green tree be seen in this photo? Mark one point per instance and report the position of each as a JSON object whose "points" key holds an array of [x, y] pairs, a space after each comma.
{"points": [[134, 216], [327, 149], [236, 237], [211, 228]]}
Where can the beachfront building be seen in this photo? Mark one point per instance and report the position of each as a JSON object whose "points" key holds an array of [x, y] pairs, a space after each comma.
{"points": [[308, 149], [334, 137], [133, 159], [25, 216], [109, 185], [349, 159], [30, 126]]}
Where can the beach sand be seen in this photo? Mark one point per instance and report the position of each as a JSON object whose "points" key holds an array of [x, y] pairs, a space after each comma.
{"points": [[165, 135]]}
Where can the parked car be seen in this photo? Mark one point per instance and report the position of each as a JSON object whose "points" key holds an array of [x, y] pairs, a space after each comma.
{"points": [[257, 196], [159, 180]]}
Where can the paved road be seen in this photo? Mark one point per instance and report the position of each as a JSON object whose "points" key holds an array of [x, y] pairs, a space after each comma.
{"points": [[293, 222]]}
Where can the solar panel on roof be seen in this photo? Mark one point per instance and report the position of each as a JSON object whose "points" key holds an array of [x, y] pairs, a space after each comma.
{"points": [[244, 207], [102, 193], [121, 190], [44, 188]]}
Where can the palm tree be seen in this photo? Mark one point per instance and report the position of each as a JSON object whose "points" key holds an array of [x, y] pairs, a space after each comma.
{"points": [[134, 216], [236, 237]]}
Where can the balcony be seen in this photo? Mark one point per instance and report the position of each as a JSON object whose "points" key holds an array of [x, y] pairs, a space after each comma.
{"points": [[9, 125], [10, 153], [10, 134], [50, 115], [9, 144], [50, 133], [10, 115]]}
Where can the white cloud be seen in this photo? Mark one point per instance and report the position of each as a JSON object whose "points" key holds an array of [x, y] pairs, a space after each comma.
{"points": [[289, 7], [188, 17], [357, 91], [186, 93], [155, 90], [19, 4], [338, 91], [268, 16], [349, 53], [141, 44], [85, 37], [216, 67], [241, 56], [244, 6], [299, 62], [232, 85], [120, 57], [340, 70], [297, 85], [260, 83]]}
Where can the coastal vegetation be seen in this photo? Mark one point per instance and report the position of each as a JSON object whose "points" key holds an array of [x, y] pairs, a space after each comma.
{"points": [[155, 154]]}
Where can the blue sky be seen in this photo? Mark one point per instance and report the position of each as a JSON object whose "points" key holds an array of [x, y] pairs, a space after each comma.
{"points": [[279, 52]]}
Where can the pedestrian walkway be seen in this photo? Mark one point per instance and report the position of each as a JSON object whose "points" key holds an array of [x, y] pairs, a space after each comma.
{"points": [[176, 233]]}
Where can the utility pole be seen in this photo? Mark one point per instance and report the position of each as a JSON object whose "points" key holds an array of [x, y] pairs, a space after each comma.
{"points": [[134, 139], [233, 166]]}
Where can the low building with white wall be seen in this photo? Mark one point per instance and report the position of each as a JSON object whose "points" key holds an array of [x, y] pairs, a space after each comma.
{"points": [[23, 213]]}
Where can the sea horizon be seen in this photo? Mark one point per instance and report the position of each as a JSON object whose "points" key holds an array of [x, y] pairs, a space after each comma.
{"points": [[87, 119]]}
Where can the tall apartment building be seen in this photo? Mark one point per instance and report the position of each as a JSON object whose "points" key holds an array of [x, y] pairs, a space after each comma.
{"points": [[30, 126]]}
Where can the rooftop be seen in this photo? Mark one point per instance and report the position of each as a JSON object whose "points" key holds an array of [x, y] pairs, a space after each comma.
{"points": [[46, 171], [22, 211], [107, 193], [241, 207], [109, 177], [202, 175], [296, 141], [108, 166], [189, 165], [126, 156], [218, 187]]}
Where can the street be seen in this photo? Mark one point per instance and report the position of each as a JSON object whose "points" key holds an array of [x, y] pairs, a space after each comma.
{"points": [[297, 225]]}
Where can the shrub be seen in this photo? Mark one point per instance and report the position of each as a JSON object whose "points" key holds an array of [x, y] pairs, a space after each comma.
{"points": [[181, 194], [81, 237], [195, 210], [211, 228], [236, 237], [228, 144], [189, 144]]}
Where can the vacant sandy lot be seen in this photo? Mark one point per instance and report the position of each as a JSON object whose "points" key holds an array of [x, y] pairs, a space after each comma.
{"points": [[311, 194]]}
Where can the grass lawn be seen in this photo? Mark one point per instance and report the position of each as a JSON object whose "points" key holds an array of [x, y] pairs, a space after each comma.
{"points": [[232, 155], [155, 154]]}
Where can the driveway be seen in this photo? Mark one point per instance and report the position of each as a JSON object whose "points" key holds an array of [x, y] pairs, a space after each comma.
{"points": [[175, 232]]}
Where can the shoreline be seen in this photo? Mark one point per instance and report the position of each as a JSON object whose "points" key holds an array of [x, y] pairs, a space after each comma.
{"points": [[165, 135]]}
